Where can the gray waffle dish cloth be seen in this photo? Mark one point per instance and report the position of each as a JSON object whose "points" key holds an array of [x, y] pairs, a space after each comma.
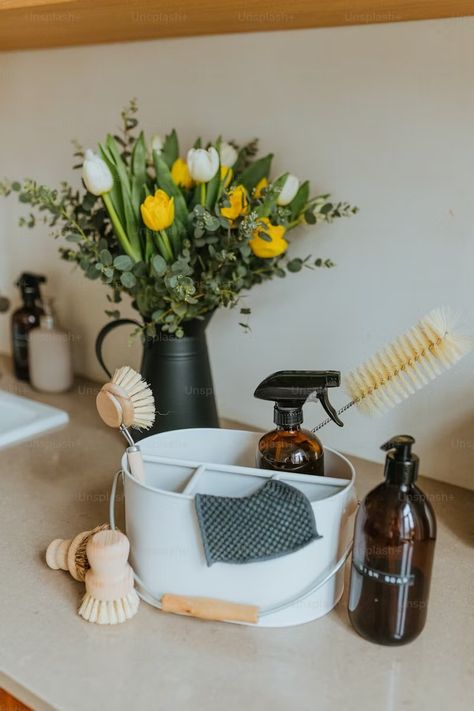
{"points": [[274, 521]]}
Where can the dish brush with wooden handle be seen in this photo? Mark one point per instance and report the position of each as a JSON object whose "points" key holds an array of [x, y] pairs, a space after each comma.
{"points": [[110, 594], [127, 401], [407, 364], [70, 553]]}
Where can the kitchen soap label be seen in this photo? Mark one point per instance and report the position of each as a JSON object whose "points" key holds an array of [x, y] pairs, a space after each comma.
{"points": [[383, 577]]}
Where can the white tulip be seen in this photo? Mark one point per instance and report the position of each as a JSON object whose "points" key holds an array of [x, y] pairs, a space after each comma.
{"points": [[228, 154], [202, 164], [96, 174], [289, 190], [157, 143]]}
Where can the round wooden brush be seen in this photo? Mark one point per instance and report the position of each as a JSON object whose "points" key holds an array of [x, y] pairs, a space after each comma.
{"points": [[110, 596], [127, 401], [405, 365]]}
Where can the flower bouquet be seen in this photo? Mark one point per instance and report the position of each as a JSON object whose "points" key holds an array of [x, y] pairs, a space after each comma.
{"points": [[181, 234]]}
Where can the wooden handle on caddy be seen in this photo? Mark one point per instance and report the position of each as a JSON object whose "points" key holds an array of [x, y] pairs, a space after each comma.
{"points": [[207, 608]]}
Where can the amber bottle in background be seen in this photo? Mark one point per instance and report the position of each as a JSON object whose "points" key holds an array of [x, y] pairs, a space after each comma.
{"points": [[24, 320], [289, 447], [394, 539]]}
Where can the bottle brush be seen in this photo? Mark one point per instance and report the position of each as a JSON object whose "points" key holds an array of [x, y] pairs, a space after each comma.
{"points": [[407, 364]]}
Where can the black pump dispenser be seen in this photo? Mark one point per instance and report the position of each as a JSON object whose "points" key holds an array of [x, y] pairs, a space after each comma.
{"points": [[289, 447], [392, 555], [29, 285], [401, 466]]}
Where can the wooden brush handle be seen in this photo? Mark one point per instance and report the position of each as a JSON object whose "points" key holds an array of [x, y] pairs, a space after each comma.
{"points": [[135, 462], [207, 608], [56, 553], [110, 577], [61, 554]]}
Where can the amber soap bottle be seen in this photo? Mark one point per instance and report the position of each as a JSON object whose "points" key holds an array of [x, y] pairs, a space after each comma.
{"points": [[289, 447], [24, 320], [394, 539]]}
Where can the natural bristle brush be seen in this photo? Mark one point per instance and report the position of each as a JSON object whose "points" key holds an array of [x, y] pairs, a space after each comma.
{"points": [[127, 401], [405, 365], [110, 596]]}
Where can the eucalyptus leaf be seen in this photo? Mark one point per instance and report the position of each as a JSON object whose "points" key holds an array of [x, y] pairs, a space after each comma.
{"points": [[123, 263], [74, 237], [159, 264], [128, 280], [106, 257], [295, 265]]}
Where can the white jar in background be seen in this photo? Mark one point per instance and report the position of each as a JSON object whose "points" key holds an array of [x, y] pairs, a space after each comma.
{"points": [[50, 355]]}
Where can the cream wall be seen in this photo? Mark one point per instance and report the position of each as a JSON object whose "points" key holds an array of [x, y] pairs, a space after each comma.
{"points": [[380, 115]]}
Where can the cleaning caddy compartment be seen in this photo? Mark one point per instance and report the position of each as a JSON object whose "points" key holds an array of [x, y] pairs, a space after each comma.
{"points": [[167, 552]]}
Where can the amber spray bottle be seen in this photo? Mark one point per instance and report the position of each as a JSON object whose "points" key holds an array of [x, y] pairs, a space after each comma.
{"points": [[394, 539], [289, 447]]}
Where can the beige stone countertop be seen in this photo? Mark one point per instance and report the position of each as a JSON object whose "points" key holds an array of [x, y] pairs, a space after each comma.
{"points": [[58, 484]]}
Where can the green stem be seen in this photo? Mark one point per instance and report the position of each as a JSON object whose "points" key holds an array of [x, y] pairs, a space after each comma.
{"points": [[203, 193], [119, 231], [149, 247], [74, 224], [167, 243], [163, 247], [295, 223]]}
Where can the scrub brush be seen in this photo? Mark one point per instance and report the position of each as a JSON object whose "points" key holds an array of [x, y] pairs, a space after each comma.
{"points": [[110, 596], [127, 401], [70, 553], [405, 365]]}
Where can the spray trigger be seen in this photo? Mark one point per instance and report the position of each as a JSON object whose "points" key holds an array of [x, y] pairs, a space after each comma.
{"points": [[322, 396]]}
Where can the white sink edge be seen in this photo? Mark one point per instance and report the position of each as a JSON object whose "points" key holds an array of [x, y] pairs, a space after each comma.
{"points": [[46, 418]]}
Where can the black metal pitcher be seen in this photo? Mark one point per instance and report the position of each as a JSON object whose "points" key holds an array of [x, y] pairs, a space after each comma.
{"points": [[179, 374]]}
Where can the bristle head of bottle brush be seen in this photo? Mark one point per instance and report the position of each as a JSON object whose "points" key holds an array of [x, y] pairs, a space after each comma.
{"points": [[408, 363], [127, 400]]}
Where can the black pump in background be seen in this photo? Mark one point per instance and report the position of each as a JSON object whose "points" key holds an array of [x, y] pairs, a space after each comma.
{"points": [[401, 465], [289, 390], [29, 285]]}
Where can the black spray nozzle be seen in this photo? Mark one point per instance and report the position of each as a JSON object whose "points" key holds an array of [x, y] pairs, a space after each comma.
{"points": [[401, 465], [29, 284], [289, 390]]}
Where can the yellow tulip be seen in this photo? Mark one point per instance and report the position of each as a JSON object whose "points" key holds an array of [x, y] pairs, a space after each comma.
{"points": [[180, 173], [158, 211], [260, 187], [226, 174], [239, 203], [264, 249]]}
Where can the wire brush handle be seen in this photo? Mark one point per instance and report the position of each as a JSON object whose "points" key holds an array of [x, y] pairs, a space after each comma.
{"points": [[329, 419]]}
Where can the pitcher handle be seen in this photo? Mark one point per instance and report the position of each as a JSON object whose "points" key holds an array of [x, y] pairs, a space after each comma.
{"points": [[99, 341]]}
